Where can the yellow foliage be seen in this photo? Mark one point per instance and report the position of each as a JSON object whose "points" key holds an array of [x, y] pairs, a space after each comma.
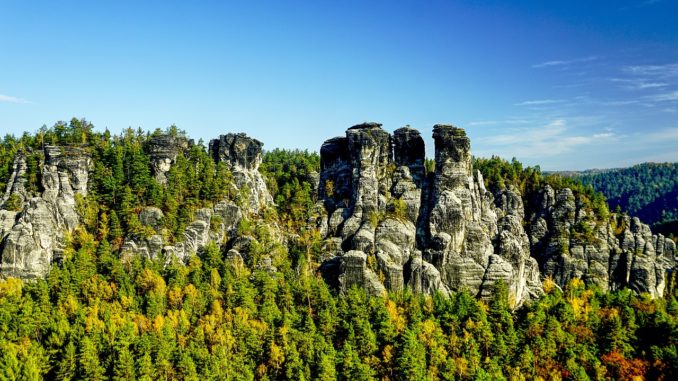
{"points": [[70, 305], [217, 310], [428, 304], [177, 319], [396, 316], [261, 371], [142, 322], [215, 279], [574, 285], [387, 354], [191, 292], [428, 328], [548, 285], [276, 356], [11, 287], [151, 281], [92, 321], [158, 323], [175, 297], [126, 301]]}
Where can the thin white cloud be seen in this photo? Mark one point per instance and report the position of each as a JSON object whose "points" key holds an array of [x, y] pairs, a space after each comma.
{"points": [[539, 102], [550, 140], [618, 103], [10, 99], [564, 62], [654, 71], [671, 96], [638, 83]]}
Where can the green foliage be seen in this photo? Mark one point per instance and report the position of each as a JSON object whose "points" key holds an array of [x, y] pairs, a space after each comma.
{"points": [[13, 203], [97, 316], [290, 177], [648, 191], [499, 174]]}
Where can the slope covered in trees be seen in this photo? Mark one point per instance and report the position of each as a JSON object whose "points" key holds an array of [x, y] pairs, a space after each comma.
{"points": [[98, 316], [648, 191]]}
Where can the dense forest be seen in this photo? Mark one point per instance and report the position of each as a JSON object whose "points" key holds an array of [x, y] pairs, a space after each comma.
{"points": [[98, 316], [648, 191]]}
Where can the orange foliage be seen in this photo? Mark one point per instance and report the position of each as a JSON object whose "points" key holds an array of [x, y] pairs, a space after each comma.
{"points": [[624, 369]]}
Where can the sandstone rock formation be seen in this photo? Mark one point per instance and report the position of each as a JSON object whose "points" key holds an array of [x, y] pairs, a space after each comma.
{"points": [[217, 224], [32, 238], [388, 223], [620, 252], [242, 154], [391, 225], [163, 150]]}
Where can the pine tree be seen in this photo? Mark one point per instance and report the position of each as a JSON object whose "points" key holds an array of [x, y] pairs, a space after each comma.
{"points": [[411, 361], [89, 366]]}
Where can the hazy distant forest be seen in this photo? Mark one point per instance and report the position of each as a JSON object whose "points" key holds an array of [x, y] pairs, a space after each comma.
{"points": [[648, 191], [98, 317]]}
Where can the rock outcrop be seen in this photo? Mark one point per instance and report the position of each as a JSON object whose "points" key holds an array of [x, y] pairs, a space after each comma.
{"points": [[569, 242], [389, 224], [217, 224], [387, 221], [32, 238], [163, 150], [242, 155]]}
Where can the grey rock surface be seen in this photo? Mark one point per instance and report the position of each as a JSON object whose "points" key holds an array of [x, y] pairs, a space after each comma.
{"points": [[391, 225], [163, 150], [242, 154], [32, 238]]}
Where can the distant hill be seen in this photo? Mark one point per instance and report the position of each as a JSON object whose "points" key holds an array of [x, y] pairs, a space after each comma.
{"points": [[648, 191]]}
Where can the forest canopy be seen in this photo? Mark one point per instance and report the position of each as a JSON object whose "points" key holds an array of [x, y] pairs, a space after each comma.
{"points": [[98, 316]]}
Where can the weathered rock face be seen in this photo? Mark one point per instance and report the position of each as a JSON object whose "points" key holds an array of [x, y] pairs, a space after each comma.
{"points": [[163, 150], [399, 227], [242, 154], [620, 252], [196, 235], [390, 225], [16, 184], [32, 238]]}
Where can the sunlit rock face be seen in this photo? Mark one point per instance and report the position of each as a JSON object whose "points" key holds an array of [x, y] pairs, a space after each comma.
{"points": [[32, 238], [401, 227], [163, 150], [619, 252], [390, 225], [242, 154]]}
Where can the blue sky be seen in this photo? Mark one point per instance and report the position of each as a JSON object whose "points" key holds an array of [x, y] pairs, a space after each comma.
{"points": [[562, 84]]}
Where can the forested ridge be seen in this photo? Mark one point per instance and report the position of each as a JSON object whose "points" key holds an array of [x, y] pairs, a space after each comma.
{"points": [[648, 190], [98, 316]]}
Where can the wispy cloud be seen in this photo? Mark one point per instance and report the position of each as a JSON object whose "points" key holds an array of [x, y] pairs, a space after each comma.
{"points": [[669, 70], [539, 102], [638, 83], [10, 99], [670, 96], [564, 62], [618, 103], [545, 141]]}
